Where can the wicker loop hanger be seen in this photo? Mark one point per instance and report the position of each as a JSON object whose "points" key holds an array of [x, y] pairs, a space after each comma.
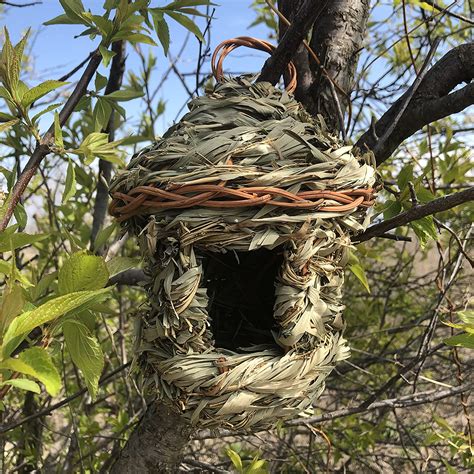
{"points": [[227, 46]]}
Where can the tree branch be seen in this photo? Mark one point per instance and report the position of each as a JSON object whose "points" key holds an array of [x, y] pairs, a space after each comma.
{"points": [[432, 101], [128, 277], [276, 64], [117, 70], [415, 399], [43, 147], [420, 398], [417, 212]]}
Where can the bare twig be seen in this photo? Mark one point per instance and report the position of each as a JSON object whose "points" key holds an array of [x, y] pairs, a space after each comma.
{"points": [[437, 205], [114, 83], [415, 399], [46, 411]]}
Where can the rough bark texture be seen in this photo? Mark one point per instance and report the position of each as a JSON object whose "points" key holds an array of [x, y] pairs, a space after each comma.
{"points": [[303, 18], [156, 445], [431, 101], [336, 39]]}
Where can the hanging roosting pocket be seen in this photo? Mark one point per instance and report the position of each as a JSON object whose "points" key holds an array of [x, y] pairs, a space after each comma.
{"points": [[244, 212]]}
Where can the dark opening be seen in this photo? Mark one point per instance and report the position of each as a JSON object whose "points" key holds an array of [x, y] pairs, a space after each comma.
{"points": [[241, 291]]}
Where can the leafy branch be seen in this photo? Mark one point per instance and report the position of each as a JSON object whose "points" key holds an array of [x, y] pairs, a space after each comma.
{"points": [[417, 212]]}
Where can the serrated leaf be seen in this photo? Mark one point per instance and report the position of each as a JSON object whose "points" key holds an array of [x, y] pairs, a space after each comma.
{"points": [[39, 91], [23, 384], [82, 272], [85, 352], [36, 362], [47, 312]]}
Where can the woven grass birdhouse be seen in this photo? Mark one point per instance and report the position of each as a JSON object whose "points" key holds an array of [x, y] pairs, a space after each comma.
{"points": [[244, 211]]}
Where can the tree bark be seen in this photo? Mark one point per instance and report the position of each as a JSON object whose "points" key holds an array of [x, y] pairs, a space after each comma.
{"points": [[156, 445], [337, 37], [432, 101]]}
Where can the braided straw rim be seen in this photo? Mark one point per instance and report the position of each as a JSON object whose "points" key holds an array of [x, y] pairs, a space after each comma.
{"points": [[227, 46]]}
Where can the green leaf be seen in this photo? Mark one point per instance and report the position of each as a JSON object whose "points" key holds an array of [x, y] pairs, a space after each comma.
{"points": [[13, 302], [186, 22], [103, 235], [425, 230], [461, 340], [58, 134], [392, 208], [85, 352], [40, 91], [119, 264], [124, 95], [97, 145], [82, 272], [107, 55], [17, 240], [467, 317], [6, 125], [134, 38], [101, 114], [178, 4], [23, 384], [63, 20], [161, 28], [100, 81], [235, 458], [45, 111], [359, 272], [36, 362], [70, 183], [47, 312], [20, 215], [406, 174]]}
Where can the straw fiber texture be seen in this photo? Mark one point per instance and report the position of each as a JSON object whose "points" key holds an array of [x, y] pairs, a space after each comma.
{"points": [[247, 168]]}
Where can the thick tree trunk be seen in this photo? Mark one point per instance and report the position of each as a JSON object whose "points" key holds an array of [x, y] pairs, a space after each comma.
{"points": [[337, 38], [156, 445]]}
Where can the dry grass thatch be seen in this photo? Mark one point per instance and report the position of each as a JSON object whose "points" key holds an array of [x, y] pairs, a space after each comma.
{"points": [[246, 169]]}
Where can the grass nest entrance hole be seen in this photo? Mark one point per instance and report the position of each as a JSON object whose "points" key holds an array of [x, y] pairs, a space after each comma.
{"points": [[241, 291]]}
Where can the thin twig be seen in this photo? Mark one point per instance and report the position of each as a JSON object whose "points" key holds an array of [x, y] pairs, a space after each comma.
{"points": [[437, 205], [46, 411], [424, 69]]}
